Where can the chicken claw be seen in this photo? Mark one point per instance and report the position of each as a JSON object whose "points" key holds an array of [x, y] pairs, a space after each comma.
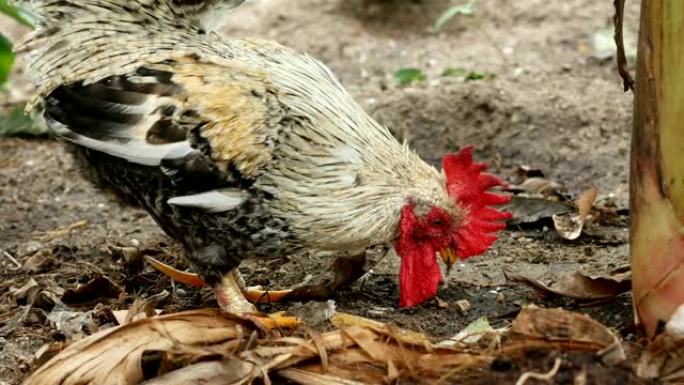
{"points": [[184, 277], [231, 300], [235, 300], [254, 295]]}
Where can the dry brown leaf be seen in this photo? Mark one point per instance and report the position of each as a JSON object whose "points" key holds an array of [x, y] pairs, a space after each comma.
{"points": [[206, 347], [25, 294], [46, 352], [530, 209], [345, 320], [579, 286], [537, 185], [533, 181], [524, 172], [112, 356], [392, 372], [564, 330], [311, 378], [74, 325], [141, 308], [98, 287], [230, 370], [127, 316], [570, 226], [63, 231], [586, 201], [39, 261]]}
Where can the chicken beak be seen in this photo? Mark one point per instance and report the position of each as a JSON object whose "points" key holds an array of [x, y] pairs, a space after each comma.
{"points": [[449, 257]]}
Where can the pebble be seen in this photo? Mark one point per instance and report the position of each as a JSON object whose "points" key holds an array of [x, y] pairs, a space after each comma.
{"points": [[463, 305]]}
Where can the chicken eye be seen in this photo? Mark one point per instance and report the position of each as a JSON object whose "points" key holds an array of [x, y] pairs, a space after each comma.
{"points": [[438, 222]]}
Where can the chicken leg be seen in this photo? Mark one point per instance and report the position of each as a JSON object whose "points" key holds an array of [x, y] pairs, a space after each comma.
{"points": [[345, 270], [232, 297], [231, 300], [252, 294]]}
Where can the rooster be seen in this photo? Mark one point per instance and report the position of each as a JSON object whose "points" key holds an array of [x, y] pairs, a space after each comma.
{"points": [[243, 148]]}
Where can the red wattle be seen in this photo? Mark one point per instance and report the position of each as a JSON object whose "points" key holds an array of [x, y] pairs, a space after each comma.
{"points": [[419, 273]]}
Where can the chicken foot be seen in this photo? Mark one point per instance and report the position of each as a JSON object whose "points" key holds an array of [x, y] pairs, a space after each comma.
{"points": [[343, 272], [230, 298], [252, 294], [233, 298]]}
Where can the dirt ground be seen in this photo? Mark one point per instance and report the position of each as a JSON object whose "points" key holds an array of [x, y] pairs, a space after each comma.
{"points": [[555, 104]]}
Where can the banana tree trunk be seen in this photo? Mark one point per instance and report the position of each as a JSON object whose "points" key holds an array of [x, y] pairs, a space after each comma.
{"points": [[657, 165]]}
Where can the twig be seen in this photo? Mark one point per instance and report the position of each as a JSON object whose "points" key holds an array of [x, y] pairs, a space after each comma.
{"points": [[623, 68], [540, 376], [12, 260]]}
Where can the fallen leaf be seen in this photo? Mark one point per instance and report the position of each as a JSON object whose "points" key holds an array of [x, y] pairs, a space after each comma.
{"points": [[230, 370], [113, 356], [25, 294], [345, 320], [126, 316], [74, 325], [533, 181], [579, 286], [141, 308], [39, 261], [406, 76], [46, 352], [586, 201], [470, 335], [96, 288], [537, 185], [311, 378], [207, 347], [570, 226], [563, 330], [528, 210], [524, 172], [131, 258], [63, 231]]}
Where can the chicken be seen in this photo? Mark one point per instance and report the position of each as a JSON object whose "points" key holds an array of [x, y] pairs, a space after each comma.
{"points": [[243, 148]]}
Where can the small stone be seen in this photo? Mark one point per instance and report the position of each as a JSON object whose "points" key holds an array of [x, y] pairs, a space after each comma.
{"points": [[378, 311], [463, 305], [500, 298]]}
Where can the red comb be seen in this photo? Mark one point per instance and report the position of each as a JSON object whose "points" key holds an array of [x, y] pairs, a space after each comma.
{"points": [[467, 183]]}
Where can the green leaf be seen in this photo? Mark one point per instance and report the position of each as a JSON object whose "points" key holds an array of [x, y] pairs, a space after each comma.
{"points": [[474, 75], [18, 123], [454, 72], [14, 13], [468, 75], [407, 76], [6, 59], [465, 9]]}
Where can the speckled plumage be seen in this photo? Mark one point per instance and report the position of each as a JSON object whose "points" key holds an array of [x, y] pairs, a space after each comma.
{"points": [[161, 108]]}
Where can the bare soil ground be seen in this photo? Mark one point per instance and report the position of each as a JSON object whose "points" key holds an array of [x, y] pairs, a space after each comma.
{"points": [[554, 104]]}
